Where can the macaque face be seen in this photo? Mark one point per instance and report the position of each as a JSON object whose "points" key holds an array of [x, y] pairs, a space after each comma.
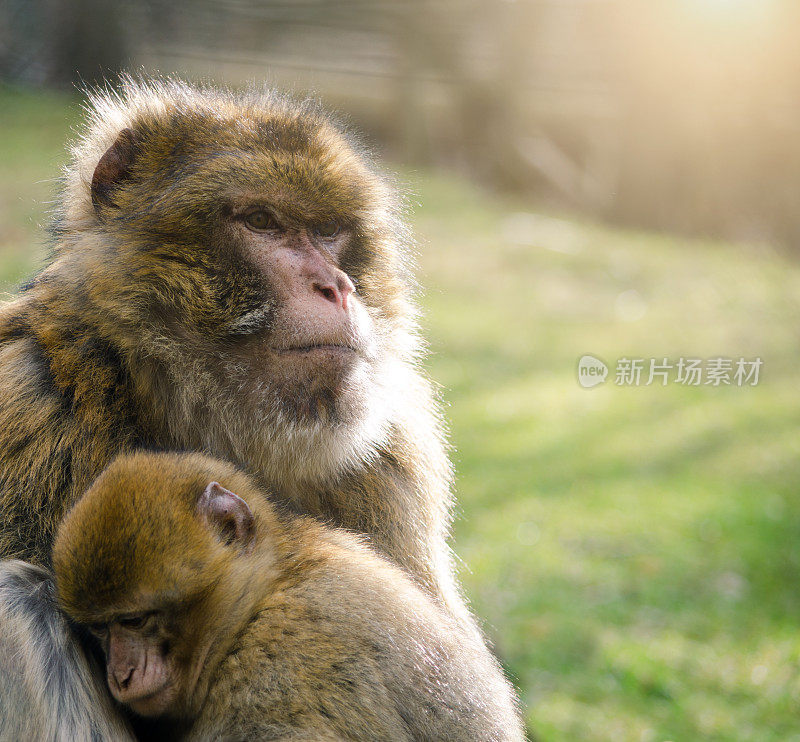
{"points": [[146, 561], [140, 670], [312, 341], [263, 237]]}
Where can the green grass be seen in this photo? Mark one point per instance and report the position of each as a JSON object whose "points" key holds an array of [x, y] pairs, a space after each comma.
{"points": [[634, 552]]}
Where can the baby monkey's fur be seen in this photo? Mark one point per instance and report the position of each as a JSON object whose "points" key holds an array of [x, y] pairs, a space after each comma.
{"points": [[275, 625]]}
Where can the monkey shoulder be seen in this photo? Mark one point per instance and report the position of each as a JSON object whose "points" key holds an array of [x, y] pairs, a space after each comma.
{"points": [[297, 668], [51, 446], [356, 648]]}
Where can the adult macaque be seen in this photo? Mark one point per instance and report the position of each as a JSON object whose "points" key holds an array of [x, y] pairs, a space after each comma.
{"points": [[227, 274], [245, 624]]}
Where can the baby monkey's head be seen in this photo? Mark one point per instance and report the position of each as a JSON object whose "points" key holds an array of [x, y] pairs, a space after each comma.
{"points": [[157, 560]]}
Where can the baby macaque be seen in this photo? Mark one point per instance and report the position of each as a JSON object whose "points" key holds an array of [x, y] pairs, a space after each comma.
{"points": [[242, 622]]}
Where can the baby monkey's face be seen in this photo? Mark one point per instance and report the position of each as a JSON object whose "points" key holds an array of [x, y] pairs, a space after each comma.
{"points": [[140, 668], [155, 560]]}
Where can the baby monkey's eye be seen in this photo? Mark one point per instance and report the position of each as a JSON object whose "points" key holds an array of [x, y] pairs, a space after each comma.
{"points": [[326, 230], [260, 221], [134, 622]]}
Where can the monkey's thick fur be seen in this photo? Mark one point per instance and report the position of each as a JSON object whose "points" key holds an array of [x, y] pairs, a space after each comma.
{"points": [[49, 689], [124, 339], [303, 628], [140, 333]]}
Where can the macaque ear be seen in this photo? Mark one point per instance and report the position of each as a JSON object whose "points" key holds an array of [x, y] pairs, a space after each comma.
{"points": [[114, 168], [227, 514]]}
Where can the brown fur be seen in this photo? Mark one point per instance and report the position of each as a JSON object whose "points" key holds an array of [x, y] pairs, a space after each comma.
{"points": [[123, 340], [38, 651], [305, 631], [142, 331]]}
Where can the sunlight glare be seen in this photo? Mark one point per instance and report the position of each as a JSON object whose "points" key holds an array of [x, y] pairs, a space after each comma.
{"points": [[729, 7]]}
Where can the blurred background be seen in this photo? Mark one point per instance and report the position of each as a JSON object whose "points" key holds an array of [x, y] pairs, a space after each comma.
{"points": [[609, 177]]}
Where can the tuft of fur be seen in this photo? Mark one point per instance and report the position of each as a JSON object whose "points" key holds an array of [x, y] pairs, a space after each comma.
{"points": [[307, 631]]}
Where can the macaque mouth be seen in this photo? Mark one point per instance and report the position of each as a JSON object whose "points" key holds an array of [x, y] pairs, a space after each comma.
{"points": [[139, 696], [325, 347], [148, 700]]}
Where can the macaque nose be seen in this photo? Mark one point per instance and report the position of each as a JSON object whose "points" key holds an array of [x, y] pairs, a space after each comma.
{"points": [[336, 292], [122, 676]]}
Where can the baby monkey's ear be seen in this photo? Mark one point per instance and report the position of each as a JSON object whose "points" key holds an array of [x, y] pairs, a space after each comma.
{"points": [[228, 515], [114, 168]]}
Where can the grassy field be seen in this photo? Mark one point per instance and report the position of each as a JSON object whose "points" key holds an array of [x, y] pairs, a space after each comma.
{"points": [[634, 551]]}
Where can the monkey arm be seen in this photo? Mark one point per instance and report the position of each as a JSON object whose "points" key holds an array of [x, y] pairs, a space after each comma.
{"points": [[402, 500], [49, 689], [61, 418]]}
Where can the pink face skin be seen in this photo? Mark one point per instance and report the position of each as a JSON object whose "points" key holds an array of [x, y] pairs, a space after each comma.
{"points": [[301, 265], [138, 670], [319, 331]]}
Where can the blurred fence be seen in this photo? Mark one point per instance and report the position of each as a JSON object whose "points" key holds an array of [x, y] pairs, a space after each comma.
{"points": [[678, 114]]}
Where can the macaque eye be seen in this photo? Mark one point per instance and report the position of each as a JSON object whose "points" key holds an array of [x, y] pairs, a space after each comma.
{"points": [[260, 221], [327, 230], [134, 622]]}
